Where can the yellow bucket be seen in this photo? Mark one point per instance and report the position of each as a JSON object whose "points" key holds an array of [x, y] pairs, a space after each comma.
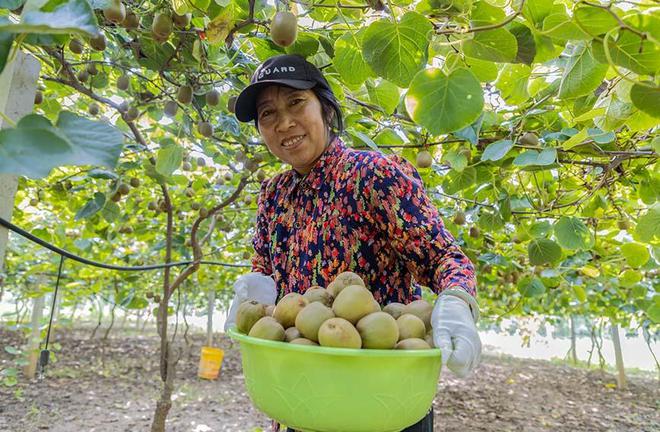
{"points": [[210, 362]]}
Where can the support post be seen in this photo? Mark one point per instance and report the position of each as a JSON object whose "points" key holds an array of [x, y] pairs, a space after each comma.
{"points": [[35, 337], [18, 85], [621, 376]]}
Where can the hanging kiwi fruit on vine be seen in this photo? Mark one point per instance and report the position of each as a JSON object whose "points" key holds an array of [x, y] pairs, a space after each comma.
{"points": [[115, 12], [284, 28], [424, 159], [162, 27]]}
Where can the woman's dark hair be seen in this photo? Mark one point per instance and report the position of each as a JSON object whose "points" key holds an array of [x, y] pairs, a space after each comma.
{"points": [[330, 108]]}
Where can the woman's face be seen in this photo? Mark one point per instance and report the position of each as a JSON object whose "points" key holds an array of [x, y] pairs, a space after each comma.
{"points": [[291, 123]]}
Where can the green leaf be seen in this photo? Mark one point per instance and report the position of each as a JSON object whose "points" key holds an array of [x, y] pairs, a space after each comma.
{"points": [[6, 39], [526, 44], [594, 20], [456, 160], [56, 17], [491, 221], [19, 146], [169, 159], [470, 132], [543, 251], [102, 174], [459, 180], [485, 71], [11, 350], [636, 254], [483, 13], [535, 10], [444, 103], [496, 45], [646, 98], [582, 75], [388, 137], [560, 26], [385, 95], [497, 150], [11, 4], [397, 51], [306, 45], [580, 293], [575, 140], [91, 207], [572, 233], [111, 212], [631, 52], [540, 229], [547, 156], [93, 142], [349, 61], [512, 83], [648, 225], [653, 312], [629, 278], [365, 139], [530, 286], [601, 137]]}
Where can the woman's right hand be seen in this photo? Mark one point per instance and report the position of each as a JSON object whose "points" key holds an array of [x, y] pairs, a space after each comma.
{"points": [[251, 286]]}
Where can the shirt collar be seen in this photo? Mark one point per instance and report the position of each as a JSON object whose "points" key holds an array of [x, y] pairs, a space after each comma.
{"points": [[314, 179]]}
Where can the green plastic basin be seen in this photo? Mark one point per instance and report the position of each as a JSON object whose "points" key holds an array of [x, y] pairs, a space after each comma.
{"points": [[320, 389]]}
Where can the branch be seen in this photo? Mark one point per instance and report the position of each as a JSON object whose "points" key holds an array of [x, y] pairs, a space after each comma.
{"points": [[333, 6], [486, 27], [197, 251]]}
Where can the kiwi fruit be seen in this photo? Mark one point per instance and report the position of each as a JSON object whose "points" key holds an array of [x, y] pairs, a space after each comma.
{"points": [[93, 109], [530, 139], [378, 330], [267, 328], [123, 82], [75, 46], [205, 129], [184, 94], [284, 28], [353, 303], [459, 218], [248, 313], [161, 26], [422, 310], [339, 333], [288, 308], [424, 159], [412, 344], [181, 21], [410, 326], [212, 97], [131, 22], [38, 97], [318, 294], [310, 319], [98, 42], [170, 108], [395, 309], [116, 12]]}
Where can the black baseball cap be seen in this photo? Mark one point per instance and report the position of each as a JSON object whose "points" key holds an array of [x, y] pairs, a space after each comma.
{"points": [[291, 70]]}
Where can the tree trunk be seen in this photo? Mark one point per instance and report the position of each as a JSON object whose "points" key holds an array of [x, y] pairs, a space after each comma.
{"points": [[621, 377], [73, 313], [112, 310], [35, 336], [573, 338], [100, 306], [112, 322], [137, 319], [209, 317]]}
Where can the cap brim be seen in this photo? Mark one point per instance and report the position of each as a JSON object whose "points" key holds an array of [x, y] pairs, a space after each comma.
{"points": [[246, 103]]}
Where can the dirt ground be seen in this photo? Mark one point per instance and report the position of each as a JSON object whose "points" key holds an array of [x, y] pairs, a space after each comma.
{"points": [[112, 386]]}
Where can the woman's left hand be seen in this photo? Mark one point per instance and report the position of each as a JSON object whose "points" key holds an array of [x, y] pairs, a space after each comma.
{"points": [[455, 333]]}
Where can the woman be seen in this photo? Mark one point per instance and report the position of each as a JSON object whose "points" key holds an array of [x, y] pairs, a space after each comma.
{"points": [[340, 209]]}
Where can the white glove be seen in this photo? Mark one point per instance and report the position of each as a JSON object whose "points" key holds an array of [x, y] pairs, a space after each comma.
{"points": [[454, 331], [251, 286]]}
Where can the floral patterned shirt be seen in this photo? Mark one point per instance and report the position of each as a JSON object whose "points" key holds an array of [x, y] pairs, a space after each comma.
{"points": [[359, 211]]}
